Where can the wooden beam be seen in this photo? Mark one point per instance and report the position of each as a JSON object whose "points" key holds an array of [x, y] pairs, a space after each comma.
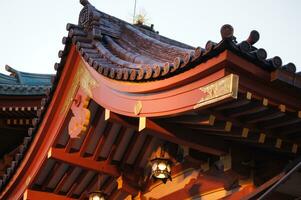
{"points": [[190, 119], [126, 187], [255, 193], [86, 163], [38, 195], [49, 176], [142, 123], [93, 185], [146, 146], [232, 105], [61, 183], [283, 121], [90, 132], [102, 140], [118, 194], [263, 117], [74, 186], [116, 143], [175, 135], [247, 110], [130, 148]]}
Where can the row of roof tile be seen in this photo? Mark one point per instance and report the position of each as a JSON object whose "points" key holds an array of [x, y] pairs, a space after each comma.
{"points": [[21, 151], [22, 83], [122, 51]]}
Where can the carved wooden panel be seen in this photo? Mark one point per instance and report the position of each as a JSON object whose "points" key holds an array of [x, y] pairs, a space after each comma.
{"points": [[79, 122]]}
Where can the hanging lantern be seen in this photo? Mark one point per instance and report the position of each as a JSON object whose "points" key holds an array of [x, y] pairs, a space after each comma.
{"points": [[97, 195], [161, 169], [161, 165]]}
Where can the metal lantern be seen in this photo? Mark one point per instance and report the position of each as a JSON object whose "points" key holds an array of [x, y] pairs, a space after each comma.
{"points": [[161, 169], [97, 195]]}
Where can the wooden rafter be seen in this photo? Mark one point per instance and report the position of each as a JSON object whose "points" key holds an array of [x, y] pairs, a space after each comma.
{"points": [[49, 176], [90, 132], [123, 189], [74, 186], [116, 144], [86, 163], [61, 183], [90, 187], [102, 140], [156, 130], [36, 195]]}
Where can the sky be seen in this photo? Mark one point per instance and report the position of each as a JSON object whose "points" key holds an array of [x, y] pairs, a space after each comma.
{"points": [[31, 31]]}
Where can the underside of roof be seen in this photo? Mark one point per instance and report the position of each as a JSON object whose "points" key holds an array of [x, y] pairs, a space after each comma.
{"points": [[123, 54]]}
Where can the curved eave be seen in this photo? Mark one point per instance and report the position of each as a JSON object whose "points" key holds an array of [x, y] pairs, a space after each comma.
{"points": [[23, 90], [170, 96], [181, 92], [33, 153]]}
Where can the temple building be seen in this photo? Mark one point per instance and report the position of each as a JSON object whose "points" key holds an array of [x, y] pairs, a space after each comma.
{"points": [[131, 114]]}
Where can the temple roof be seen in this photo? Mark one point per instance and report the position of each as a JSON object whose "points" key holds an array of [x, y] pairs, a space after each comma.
{"points": [[23, 83], [123, 51]]}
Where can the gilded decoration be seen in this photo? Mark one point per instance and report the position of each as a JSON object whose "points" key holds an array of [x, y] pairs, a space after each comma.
{"points": [[138, 107], [81, 115], [219, 90], [82, 79]]}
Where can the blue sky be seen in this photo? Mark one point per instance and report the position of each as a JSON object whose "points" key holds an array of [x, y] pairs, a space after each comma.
{"points": [[31, 30]]}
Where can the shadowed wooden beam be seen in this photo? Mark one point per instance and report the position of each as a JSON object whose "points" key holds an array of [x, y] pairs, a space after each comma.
{"points": [[118, 194], [86, 163], [102, 140], [176, 136], [263, 116], [77, 182], [147, 145], [50, 175], [287, 130], [108, 185], [130, 148], [116, 143], [232, 105], [37, 195], [126, 187], [195, 119], [247, 110], [284, 121], [187, 139], [90, 132], [92, 186], [63, 180]]}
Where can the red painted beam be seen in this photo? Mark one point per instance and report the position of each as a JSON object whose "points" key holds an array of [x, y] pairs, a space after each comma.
{"points": [[37, 195], [161, 103], [156, 130], [86, 163]]}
